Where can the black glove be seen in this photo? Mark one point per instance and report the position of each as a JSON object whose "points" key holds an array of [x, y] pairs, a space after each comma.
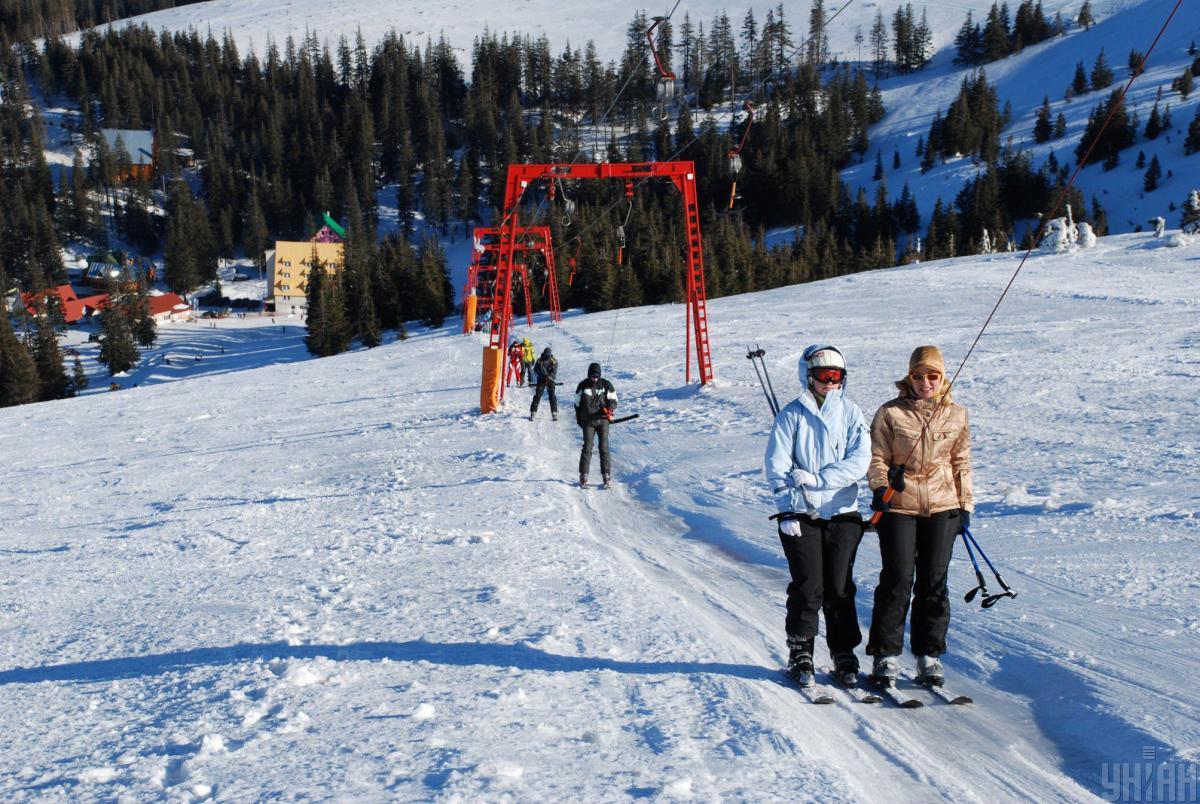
{"points": [[964, 519], [896, 478], [877, 503]]}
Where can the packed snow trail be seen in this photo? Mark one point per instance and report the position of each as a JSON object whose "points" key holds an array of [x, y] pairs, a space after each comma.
{"points": [[334, 578]]}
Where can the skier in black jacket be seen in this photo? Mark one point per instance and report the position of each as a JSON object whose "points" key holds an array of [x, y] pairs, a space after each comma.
{"points": [[546, 371], [595, 401]]}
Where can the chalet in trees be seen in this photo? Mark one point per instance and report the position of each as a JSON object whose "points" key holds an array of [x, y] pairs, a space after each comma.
{"points": [[118, 267], [288, 265], [138, 145]]}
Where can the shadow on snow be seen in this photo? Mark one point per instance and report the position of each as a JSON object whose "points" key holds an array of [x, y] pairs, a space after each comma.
{"points": [[455, 654]]}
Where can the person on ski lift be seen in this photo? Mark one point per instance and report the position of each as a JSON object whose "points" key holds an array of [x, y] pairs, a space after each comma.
{"points": [[546, 369], [515, 353], [528, 356], [921, 447], [595, 401], [818, 451]]}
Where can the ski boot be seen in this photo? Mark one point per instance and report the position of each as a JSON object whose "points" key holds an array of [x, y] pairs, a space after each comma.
{"points": [[554, 415], [583, 481], [885, 671], [845, 668], [929, 671], [608, 481], [532, 413], [800, 661]]}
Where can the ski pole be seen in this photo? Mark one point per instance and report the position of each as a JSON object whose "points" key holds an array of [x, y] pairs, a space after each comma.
{"points": [[762, 359], [624, 419], [969, 596], [754, 356], [990, 600]]}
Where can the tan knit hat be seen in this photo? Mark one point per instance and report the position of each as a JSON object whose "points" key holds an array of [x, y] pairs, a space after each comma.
{"points": [[929, 357]]}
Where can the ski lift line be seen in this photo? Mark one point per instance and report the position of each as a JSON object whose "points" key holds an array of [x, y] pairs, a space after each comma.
{"points": [[598, 124], [808, 39], [1058, 202]]}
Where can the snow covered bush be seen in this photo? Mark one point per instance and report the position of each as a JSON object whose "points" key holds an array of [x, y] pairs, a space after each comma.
{"points": [[1190, 222], [1087, 237]]}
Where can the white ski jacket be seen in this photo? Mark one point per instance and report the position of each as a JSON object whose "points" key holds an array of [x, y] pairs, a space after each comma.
{"points": [[831, 442]]}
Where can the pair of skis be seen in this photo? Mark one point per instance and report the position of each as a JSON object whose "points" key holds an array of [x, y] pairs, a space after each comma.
{"points": [[880, 691], [905, 701]]}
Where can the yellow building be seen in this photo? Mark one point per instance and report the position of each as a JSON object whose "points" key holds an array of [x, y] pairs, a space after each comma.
{"points": [[288, 267]]}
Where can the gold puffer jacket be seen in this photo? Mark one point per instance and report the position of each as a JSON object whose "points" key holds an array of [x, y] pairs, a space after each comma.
{"points": [[937, 474]]}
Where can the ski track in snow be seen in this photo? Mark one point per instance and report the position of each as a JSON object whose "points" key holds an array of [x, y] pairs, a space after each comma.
{"points": [[334, 578]]}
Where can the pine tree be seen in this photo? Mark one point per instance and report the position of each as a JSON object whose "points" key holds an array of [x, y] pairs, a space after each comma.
{"points": [[1042, 127], [1153, 174], [117, 348], [1102, 74], [968, 43], [879, 45], [1154, 125], [1183, 84], [79, 378], [18, 373], [52, 377], [1192, 143], [145, 328], [1119, 134], [1079, 84], [995, 35], [1060, 126], [818, 40], [329, 330], [1085, 18]]}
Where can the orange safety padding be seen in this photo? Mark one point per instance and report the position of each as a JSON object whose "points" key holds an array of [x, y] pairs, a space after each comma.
{"points": [[469, 305], [493, 375]]}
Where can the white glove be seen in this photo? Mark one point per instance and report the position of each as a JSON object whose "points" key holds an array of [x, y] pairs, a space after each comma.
{"points": [[790, 527], [801, 478]]}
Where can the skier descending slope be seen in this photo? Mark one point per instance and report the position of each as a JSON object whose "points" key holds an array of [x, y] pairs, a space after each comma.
{"points": [[818, 451], [921, 447]]}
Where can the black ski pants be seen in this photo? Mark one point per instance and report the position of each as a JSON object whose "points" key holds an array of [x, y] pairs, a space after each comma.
{"points": [[821, 561], [910, 546], [591, 429], [548, 386]]}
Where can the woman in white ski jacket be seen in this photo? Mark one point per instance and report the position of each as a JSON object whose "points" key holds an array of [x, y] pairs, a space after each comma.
{"points": [[818, 451]]}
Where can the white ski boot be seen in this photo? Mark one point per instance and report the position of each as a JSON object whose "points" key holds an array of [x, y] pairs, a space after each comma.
{"points": [[886, 670], [929, 670]]}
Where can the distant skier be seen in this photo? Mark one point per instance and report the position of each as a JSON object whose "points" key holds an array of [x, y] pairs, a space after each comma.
{"points": [[528, 356], [595, 401], [515, 354], [546, 369], [818, 450], [921, 446]]}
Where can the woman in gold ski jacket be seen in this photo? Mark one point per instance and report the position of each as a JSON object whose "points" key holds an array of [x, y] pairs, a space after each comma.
{"points": [[921, 443]]}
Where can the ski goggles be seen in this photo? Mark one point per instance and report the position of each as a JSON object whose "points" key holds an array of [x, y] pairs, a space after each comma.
{"points": [[825, 374], [932, 376]]}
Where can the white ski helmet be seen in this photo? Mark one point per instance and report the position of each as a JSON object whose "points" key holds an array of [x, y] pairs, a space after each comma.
{"points": [[820, 355]]}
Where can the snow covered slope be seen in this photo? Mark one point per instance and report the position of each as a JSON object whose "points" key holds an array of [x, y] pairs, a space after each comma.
{"points": [[1042, 71], [333, 578], [252, 23]]}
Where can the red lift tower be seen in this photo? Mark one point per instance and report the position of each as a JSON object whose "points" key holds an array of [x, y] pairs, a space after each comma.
{"points": [[481, 274], [520, 177]]}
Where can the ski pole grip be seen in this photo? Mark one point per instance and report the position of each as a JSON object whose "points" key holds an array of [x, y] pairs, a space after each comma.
{"points": [[888, 494]]}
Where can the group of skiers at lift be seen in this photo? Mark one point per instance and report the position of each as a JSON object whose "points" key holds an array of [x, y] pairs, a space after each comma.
{"points": [[919, 444], [595, 401]]}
